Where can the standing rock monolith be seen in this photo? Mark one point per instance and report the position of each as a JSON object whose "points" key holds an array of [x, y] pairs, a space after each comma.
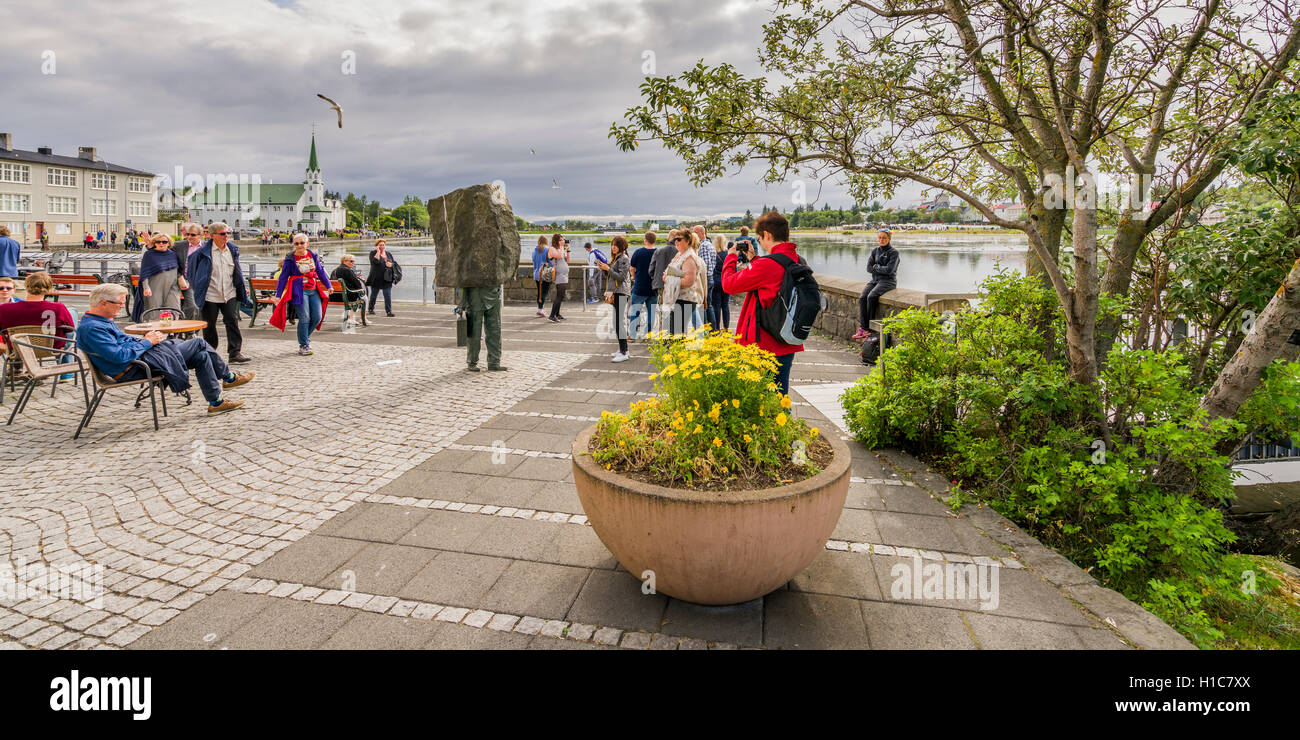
{"points": [[474, 236]]}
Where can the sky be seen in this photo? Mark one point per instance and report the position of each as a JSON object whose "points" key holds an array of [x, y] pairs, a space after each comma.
{"points": [[436, 95]]}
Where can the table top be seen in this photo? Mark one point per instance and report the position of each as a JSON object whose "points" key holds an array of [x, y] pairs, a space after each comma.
{"points": [[179, 326]]}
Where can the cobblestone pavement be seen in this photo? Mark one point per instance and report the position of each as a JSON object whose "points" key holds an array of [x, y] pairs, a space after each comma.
{"points": [[376, 495]]}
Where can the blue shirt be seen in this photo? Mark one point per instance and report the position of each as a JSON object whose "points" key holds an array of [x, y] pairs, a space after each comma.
{"points": [[644, 283], [110, 348], [539, 259], [10, 250]]}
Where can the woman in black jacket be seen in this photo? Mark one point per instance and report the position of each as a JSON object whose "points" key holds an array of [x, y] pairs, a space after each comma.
{"points": [[382, 265]]}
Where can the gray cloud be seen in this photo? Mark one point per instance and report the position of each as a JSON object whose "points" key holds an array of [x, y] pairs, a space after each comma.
{"points": [[446, 94]]}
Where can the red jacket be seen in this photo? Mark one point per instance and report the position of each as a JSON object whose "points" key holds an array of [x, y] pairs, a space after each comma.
{"points": [[763, 279]]}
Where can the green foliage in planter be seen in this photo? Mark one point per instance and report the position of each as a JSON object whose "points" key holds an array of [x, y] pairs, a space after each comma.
{"points": [[978, 396], [717, 419]]}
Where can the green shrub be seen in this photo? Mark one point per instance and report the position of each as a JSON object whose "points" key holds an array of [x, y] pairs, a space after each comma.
{"points": [[979, 396]]}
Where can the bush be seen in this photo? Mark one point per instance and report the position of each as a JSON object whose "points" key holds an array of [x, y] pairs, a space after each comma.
{"points": [[717, 420], [980, 397]]}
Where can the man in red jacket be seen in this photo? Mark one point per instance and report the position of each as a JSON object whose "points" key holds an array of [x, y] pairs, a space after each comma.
{"points": [[761, 279]]}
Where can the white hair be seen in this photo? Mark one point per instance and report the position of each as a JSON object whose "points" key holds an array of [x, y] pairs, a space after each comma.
{"points": [[106, 293]]}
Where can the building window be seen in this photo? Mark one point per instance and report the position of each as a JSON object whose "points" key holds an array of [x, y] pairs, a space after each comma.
{"points": [[138, 184], [139, 207], [19, 173], [102, 181], [15, 203], [60, 206], [61, 177], [103, 207], [277, 223]]}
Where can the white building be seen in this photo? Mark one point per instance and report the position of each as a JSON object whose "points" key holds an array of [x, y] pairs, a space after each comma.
{"points": [[278, 207], [46, 193]]}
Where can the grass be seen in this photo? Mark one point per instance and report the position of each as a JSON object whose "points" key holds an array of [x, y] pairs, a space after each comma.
{"points": [[1270, 620]]}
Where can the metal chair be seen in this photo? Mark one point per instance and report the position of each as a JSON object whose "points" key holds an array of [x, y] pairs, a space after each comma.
{"points": [[104, 382], [11, 365], [31, 349], [176, 312]]}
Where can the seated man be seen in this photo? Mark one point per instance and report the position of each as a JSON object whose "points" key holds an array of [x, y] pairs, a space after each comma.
{"points": [[112, 350]]}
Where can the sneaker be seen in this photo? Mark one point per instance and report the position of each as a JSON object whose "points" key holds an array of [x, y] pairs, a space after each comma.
{"points": [[620, 357], [240, 379], [562, 318], [474, 368], [539, 313], [304, 351], [862, 334], [239, 359], [553, 320], [391, 314], [223, 407], [498, 369]]}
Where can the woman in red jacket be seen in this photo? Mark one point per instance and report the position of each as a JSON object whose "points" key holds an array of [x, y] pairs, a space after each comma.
{"points": [[761, 279]]}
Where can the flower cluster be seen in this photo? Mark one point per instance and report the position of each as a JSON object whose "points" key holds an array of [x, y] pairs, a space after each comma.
{"points": [[717, 418]]}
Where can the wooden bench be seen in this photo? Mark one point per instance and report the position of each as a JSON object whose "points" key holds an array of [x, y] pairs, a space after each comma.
{"points": [[73, 280], [262, 292]]}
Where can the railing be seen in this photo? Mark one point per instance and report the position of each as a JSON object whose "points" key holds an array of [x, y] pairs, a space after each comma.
{"points": [[1257, 449]]}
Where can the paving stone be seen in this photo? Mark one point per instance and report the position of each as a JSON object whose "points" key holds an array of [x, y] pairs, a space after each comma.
{"points": [[893, 626], [460, 637], [614, 598], [380, 568], [378, 523], [1000, 633], [740, 623], [537, 589], [916, 530], [447, 530], [368, 631], [453, 578], [287, 624], [513, 538], [795, 620], [1141, 627], [607, 636], [856, 525], [580, 631], [838, 573], [579, 546]]}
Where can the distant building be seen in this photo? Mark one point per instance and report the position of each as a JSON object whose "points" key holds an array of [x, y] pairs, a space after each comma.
{"points": [[279, 207], [1009, 211], [45, 193]]}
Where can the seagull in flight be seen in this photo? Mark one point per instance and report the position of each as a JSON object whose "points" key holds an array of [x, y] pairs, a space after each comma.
{"points": [[532, 151], [554, 185], [335, 106]]}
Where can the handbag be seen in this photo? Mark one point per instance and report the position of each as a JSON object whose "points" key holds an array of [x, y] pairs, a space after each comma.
{"points": [[610, 298], [547, 274]]}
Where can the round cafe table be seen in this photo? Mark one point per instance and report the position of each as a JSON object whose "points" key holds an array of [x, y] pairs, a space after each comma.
{"points": [[179, 327]]}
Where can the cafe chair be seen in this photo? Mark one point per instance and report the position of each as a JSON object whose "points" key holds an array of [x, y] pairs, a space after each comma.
{"points": [[11, 366], [177, 314], [104, 382], [31, 350]]}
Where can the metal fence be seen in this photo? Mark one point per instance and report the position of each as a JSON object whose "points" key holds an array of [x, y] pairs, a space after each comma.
{"points": [[1263, 449]]}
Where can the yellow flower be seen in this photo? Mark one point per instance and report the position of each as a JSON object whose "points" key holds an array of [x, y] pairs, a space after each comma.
{"points": [[780, 420], [785, 402], [717, 442], [735, 403], [748, 438], [697, 403], [698, 429], [814, 432], [621, 443], [696, 376], [690, 416]]}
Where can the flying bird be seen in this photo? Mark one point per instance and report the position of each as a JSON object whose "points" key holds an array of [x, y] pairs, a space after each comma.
{"points": [[554, 185], [532, 151], [337, 108]]}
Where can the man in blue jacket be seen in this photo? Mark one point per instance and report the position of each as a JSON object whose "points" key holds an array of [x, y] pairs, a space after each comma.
{"points": [[882, 264], [218, 283], [112, 351], [10, 252]]}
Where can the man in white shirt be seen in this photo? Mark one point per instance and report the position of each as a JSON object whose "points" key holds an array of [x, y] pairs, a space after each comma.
{"points": [[219, 287]]}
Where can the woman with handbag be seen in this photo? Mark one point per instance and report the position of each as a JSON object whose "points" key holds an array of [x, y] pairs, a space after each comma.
{"points": [[539, 263], [620, 293], [558, 256], [683, 281], [383, 268]]}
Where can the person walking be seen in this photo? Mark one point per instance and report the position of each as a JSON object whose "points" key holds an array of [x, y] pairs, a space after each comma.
{"points": [[161, 280], [558, 255], [719, 301], [382, 271], [882, 264], [761, 280], [595, 258], [644, 296], [620, 290], [354, 290], [192, 243], [543, 286], [708, 255], [304, 285], [10, 253], [683, 282], [219, 288]]}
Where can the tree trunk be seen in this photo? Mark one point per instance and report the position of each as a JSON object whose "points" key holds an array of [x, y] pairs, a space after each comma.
{"points": [[1081, 319]]}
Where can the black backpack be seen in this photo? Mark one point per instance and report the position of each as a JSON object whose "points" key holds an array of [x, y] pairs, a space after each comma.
{"points": [[792, 312]]}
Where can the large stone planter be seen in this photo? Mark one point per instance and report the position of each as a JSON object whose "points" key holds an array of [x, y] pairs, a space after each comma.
{"points": [[712, 547]]}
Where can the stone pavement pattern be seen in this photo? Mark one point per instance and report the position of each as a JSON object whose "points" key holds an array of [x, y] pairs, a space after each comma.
{"points": [[359, 502]]}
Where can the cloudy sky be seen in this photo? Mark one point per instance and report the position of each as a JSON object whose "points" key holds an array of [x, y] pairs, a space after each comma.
{"points": [[445, 93]]}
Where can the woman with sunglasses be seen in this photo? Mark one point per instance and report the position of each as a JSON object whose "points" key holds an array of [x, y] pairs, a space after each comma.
{"points": [[683, 281], [161, 280], [308, 290]]}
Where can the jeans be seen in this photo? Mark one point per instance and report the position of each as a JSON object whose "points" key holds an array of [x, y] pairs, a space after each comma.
{"points": [[720, 305], [308, 316], [559, 298], [388, 297], [641, 315], [209, 369], [784, 363], [230, 315]]}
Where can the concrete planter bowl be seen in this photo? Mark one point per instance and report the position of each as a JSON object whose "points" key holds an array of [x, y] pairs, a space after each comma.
{"points": [[712, 547]]}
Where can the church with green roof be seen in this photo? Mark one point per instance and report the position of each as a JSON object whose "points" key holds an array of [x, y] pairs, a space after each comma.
{"points": [[300, 207]]}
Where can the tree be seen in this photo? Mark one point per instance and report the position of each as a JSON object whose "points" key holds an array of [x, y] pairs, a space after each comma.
{"points": [[748, 220], [411, 214], [987, 100]]}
